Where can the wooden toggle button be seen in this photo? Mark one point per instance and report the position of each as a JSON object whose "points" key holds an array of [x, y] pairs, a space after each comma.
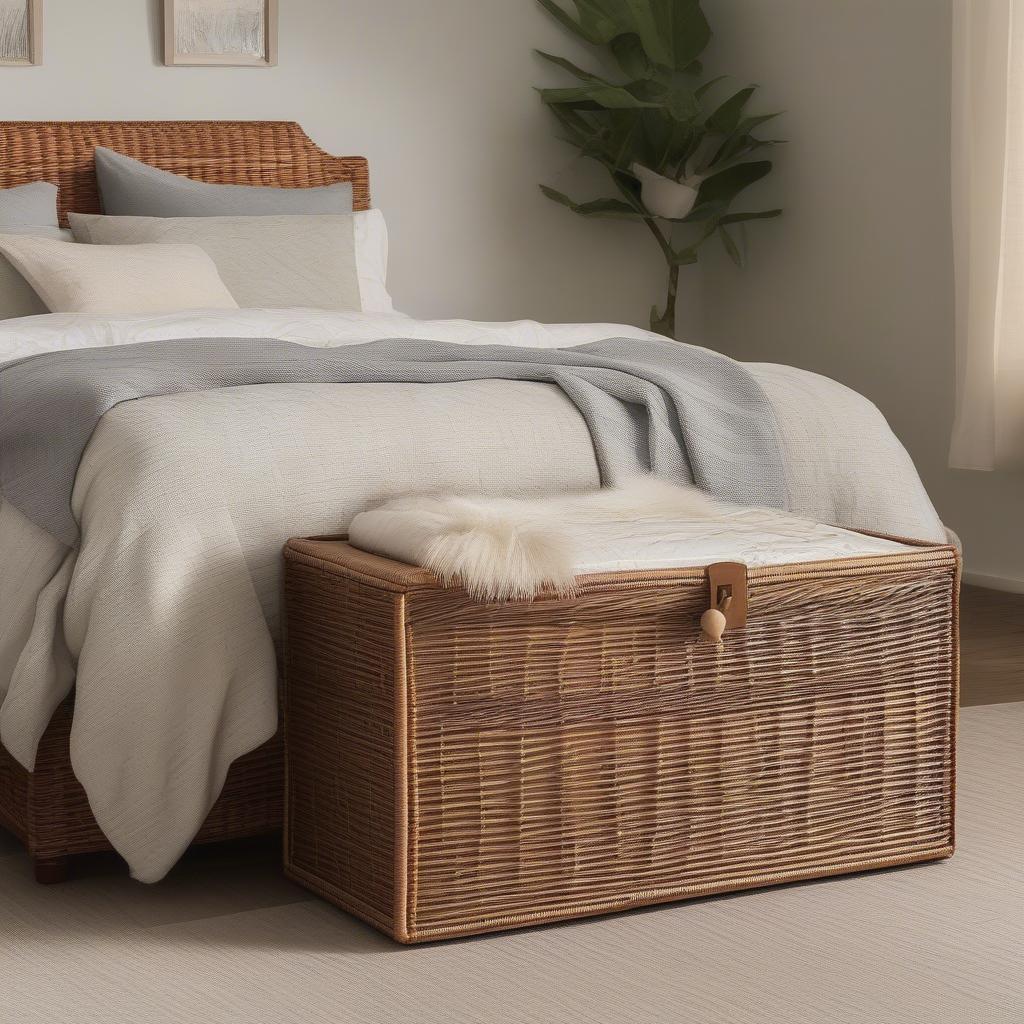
{"points": [[727, 583]]}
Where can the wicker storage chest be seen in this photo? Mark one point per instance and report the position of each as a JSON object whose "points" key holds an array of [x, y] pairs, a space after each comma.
{"points": [[456, 767]]}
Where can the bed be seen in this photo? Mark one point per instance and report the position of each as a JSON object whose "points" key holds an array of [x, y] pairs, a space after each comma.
{"points": [[182, 547], [47, 809]]}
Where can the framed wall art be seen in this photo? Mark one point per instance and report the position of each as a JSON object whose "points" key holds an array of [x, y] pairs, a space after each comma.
{"points": [[21, 33], [230, 33]]}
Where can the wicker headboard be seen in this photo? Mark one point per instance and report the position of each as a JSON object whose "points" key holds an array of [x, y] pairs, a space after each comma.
{"points": [[223, 152]]}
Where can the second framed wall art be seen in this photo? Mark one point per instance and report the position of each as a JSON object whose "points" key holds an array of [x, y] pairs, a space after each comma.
{"points": [[229, 33]]}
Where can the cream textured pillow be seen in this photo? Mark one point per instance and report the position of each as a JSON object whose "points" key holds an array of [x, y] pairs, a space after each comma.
{"points": [[274, 261], [73, 278]]}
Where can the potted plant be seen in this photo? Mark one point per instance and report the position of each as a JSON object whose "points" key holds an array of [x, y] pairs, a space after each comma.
{"points": [[678, 156]]}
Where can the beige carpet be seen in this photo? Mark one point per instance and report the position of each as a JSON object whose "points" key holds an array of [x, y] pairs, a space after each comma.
{"points": [[225, 939]]}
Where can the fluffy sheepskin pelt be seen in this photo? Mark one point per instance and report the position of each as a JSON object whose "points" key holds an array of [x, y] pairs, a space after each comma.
{"points": [[503, 549]]}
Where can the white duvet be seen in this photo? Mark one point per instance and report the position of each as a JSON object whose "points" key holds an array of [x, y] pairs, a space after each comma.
{"points": [[165, 617]]}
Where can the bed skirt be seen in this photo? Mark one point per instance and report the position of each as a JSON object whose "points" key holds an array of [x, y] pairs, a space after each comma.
{"points": [[47, 810]]}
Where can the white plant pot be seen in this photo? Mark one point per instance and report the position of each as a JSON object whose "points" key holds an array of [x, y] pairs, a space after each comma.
{"points": [[664, 197]]}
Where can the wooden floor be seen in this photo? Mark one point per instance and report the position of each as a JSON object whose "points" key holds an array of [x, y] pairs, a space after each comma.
{"points": [[991, 647]]}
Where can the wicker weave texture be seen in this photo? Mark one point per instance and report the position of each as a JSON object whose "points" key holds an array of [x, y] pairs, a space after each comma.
{"points": [[275, 153], [492, 766]]}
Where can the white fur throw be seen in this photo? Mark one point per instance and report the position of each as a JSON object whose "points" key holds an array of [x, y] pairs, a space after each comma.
{"points": [[503, 549]]}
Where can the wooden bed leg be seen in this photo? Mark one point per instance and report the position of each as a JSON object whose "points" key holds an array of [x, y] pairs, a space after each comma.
{"points": [[51, 870]]}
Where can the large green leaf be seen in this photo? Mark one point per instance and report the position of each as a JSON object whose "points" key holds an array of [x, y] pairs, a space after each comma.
{"points": [[654, 90], [596, 207], [682, 104], [708, 85], [622, 139], [749, 124], [685, 139], [739, 218], [615, 138], [628, 51], [738, 152], [656, 140], [591, 24], [727, 117], [567, 65], [630, 189], [705, 211], [731, 247], [728, 184], [578, 129], [595, 95], [689, 254], [671, 33]]}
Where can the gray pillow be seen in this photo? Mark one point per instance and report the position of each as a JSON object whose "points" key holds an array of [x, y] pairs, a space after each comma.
{"points": [[25, 210], [28, 207], [130, 188]]}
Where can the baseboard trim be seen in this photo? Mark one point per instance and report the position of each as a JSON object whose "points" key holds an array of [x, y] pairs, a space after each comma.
{"points": [[1007, 584]]}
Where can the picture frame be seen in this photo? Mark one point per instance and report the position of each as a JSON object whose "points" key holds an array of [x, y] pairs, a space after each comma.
{"points": [[220, 33], [21, 33]]}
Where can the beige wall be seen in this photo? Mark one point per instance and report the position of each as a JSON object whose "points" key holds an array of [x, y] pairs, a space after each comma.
{"points": [[854, 282]]}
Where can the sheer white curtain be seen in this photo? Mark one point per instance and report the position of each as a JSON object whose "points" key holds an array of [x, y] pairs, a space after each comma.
{"points": [[988, 233]]}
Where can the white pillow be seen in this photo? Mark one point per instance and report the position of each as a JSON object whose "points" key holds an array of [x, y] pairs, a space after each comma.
{"points": [[371, 237], [72, 278]]}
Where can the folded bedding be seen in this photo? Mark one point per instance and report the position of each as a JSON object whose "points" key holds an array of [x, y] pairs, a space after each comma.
{"points": [[680, 411], [183, 493]]}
